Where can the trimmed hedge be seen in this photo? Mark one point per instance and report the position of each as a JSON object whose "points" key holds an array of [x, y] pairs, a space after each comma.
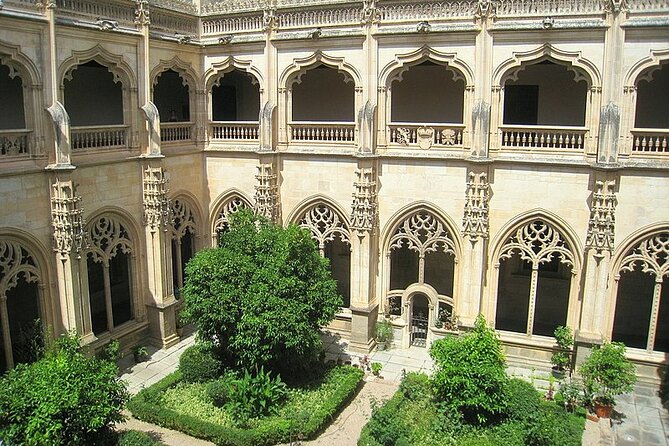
{"points": [[198, 363], [146, 406], [136, 438]]}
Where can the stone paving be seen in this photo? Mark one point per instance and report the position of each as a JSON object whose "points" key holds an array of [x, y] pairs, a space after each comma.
{"points": [[639, 418]]}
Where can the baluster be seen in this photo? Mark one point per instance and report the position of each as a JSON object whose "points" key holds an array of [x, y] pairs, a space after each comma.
{"points": [[643, 144], [524, 140], [664, 144], [657, 144]]}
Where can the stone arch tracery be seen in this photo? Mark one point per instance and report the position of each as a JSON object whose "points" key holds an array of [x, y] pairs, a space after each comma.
{"points": [[189, 80], [183, 230], [229, 203], [533, 252], [641, 290]]}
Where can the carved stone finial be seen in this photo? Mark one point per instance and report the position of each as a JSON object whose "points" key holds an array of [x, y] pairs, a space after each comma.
{"points": [[477, 195], [67, 220], [486, 9], [615, 6], [364, 206], [370, 12], [267, 193], [156, 204], [601, 226], [269, 18], [142, 16]]}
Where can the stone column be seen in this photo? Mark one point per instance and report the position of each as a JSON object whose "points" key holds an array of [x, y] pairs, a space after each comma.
{"points": [[266, 195], [160, 300], [475, 249], [599, 247], [364, 260]]}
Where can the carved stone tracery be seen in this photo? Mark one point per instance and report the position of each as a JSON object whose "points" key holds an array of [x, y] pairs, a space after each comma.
{"points": [[325, 225], [66, 219], [230, 206], [142, 16], [16, 262], [267, 193], [156, 203], [107, 236], [183, 219], [477, 195], [602, 221], [370, 12], [538, 242], [364, 206]]}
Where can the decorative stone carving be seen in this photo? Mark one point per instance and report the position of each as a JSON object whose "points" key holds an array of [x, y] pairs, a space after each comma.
{"points": [[183, 38], [477, 195], [651, 255], [602, 217], [615, 6], [537, 242], [423, 27], [44, 5], [107, 236], [316, 33], [67, 219], [106, 25], [142, 15], [486, 9], [182, 220], [266, 118], [448, 137], [225, 39], [153, 118], [61, 130], [268, 19], [325, 225], [364, 207], [156, 203], [425, 137], [267, 193], [403, 135], [422, 232], [370, 12], [548, 22], [16, 261], [230, 206]]}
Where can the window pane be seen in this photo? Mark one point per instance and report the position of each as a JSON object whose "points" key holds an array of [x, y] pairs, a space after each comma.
{"points": [[96, 291], [119, 278], [633, 306], [513, 296]]}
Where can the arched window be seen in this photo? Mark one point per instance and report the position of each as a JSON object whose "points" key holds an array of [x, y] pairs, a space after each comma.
{"points": [[21, 333], [534, 284], [421, 251], [235, 96], [332, 236], [182, 232], [12, 113], [109, 264], [172, 97], [231, 205], [642, 303], [93, 96], [322, 85]]}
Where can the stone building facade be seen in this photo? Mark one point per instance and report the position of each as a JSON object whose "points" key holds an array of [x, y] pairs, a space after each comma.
{"points": [[450, 158]]}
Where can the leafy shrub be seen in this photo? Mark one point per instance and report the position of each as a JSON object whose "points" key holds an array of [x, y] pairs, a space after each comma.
{"points": [[552, 426], [136, 438], [262, 295], [523, 400], [384, 332], [564, 338], [253, 396], [64, 398], [570, 395], [198, 363], [470, 375], [416, 386], [386, 427], [607, 373]]}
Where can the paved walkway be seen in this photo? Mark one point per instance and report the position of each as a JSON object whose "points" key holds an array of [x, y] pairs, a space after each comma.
{"points": [[639, 418]]}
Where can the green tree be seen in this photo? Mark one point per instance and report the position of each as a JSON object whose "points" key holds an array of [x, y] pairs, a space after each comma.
{"points": [[262, 295], [470, 374], [65, 398]]}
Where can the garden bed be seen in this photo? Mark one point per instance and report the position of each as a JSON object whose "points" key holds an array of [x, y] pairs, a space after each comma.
{"points": [[412, 417], [186, 407]]}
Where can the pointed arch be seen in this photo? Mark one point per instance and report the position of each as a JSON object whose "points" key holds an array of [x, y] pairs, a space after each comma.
{"points": [[114, 63], [184, 69], [644, 68], [403, 62], [293, 72], [213, 75], [186, 213], [582, 67], [324, 218], [226, 203], [19, 63]]}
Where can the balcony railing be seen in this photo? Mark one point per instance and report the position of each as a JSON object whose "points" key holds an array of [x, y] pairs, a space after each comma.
{"points": [[99, 137], [322, 131], [649, 141], [426, 135], [544, 137], [14, 142], [176, 131], [234, 130]]}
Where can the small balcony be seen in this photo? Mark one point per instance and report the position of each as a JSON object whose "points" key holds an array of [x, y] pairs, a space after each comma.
{"points": [[99, 137], [176, 131], [650, 142], [244, 131], [15, 143], [428, 135], [543, 138], [317, 131]]}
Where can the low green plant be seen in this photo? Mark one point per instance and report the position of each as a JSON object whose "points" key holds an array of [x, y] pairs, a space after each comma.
{"points": [[253, 396], [523, 400], [140, 353], [136, 438], [415, 386], [607, 373], [570, 395], [561, 359], [64, 398], [384, 332], [470, 373], [111, 351], [376, 368], [198, 363]]}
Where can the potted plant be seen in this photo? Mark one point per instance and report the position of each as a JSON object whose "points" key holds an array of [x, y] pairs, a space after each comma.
{"points": [[179, 322], [384, 334], [561, 358], [140, 353], [606, 374]]}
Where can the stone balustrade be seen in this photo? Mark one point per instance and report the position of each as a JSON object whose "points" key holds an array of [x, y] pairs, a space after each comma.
{"points": [[543, 137], [649, 141], [14, 143], [99, 137], [322, 131], [234, 130], [176, 131], [426, 135]]}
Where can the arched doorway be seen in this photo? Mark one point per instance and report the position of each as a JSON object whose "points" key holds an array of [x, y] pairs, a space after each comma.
{"points": [[420, 317]]}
